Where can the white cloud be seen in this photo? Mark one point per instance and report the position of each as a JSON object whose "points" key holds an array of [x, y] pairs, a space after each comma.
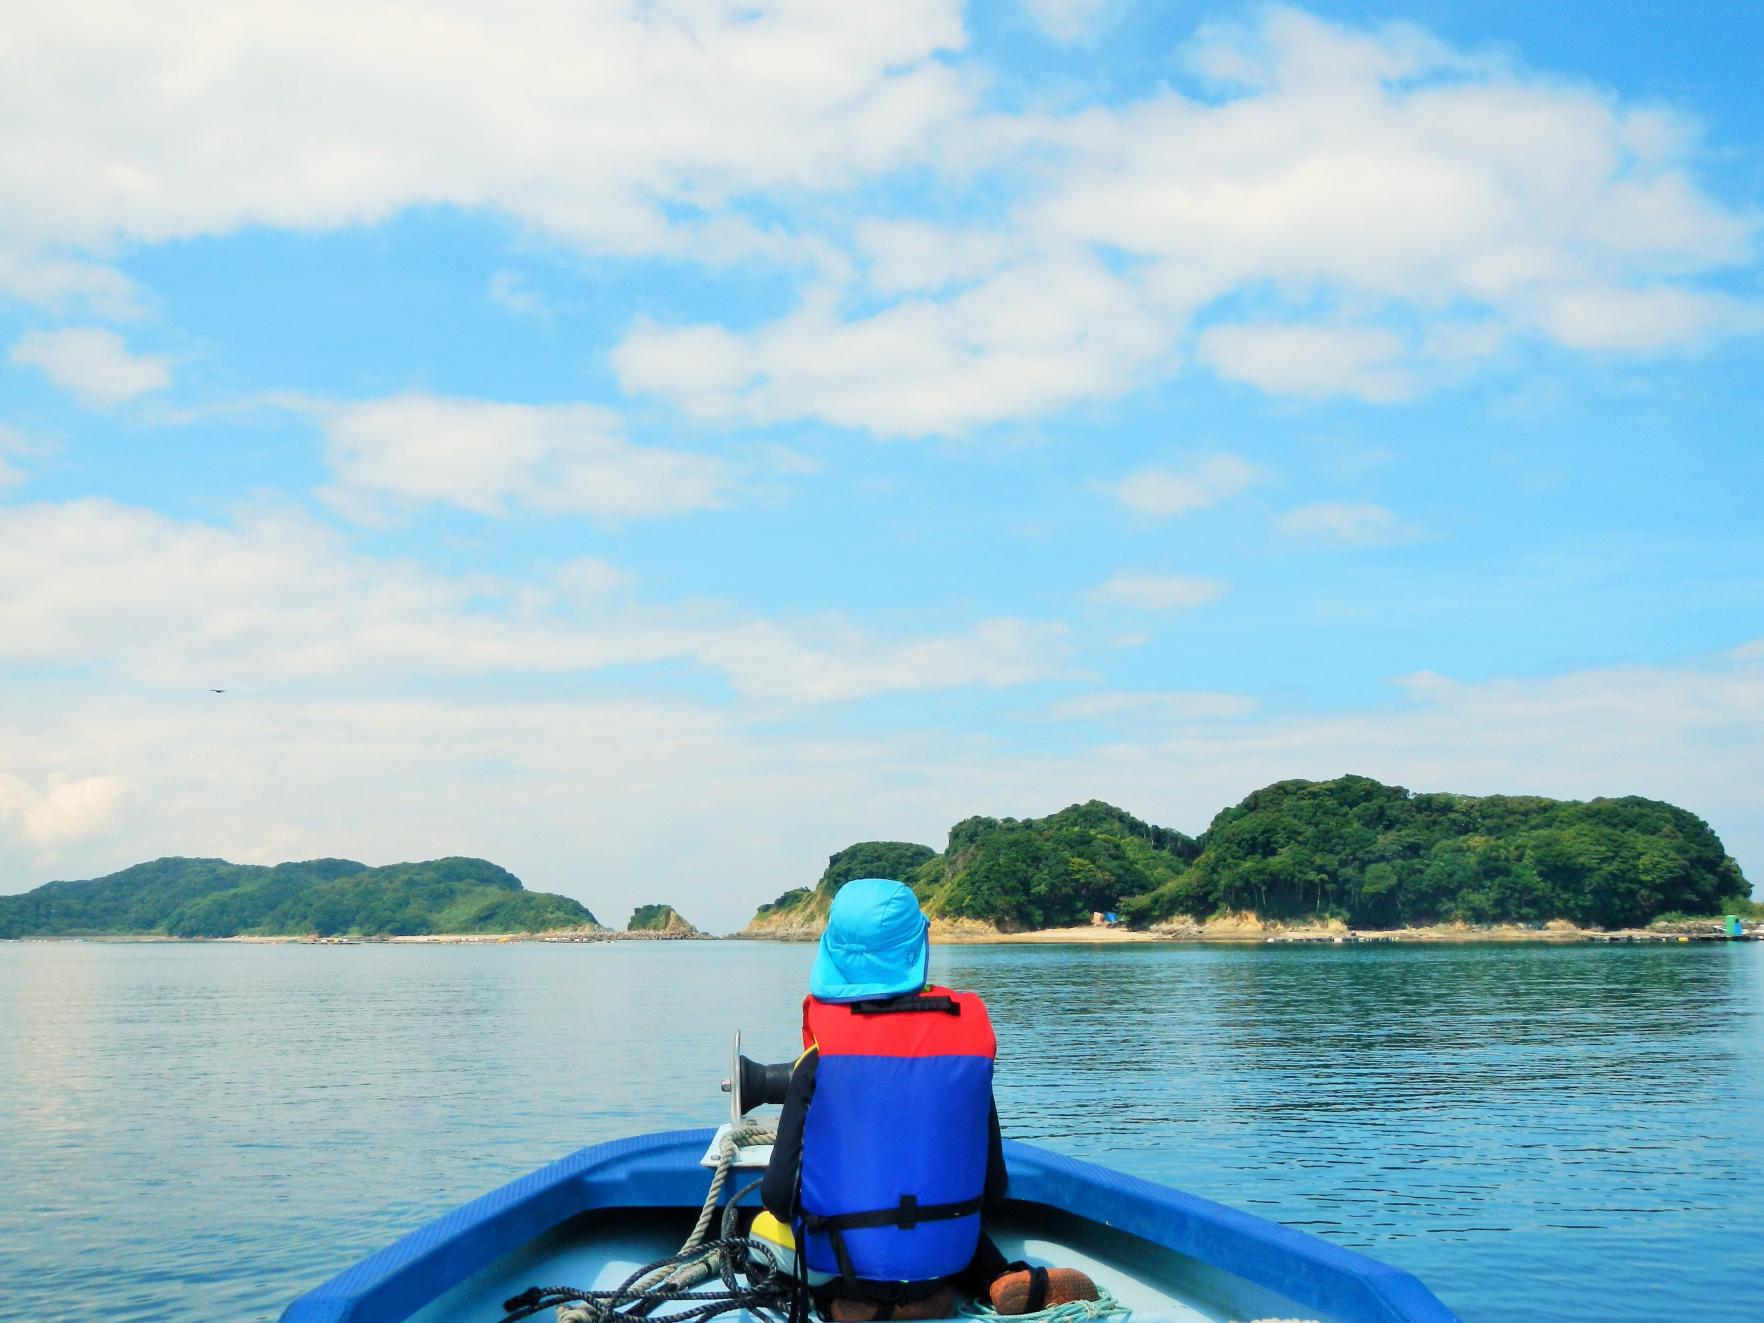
{"points": [[1138, 706], [509, 290], [63, 812], [1389, 164], [1387, 168], [1027, 340], [1159, 592], [280, 600], [69, 285], [1314, 360], [1378, 210], [587, 119], [907, 256], [1691, 734], [1641, 321], [590, 576], [487, 457], [1370, 212], [1341, 521], [156, 600], [93, 363], [767, 662], [587, 796], [12, 442], [1164, 492], [1066, 20]]}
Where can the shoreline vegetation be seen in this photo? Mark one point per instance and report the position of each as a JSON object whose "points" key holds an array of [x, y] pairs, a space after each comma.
{"points": [[1342, 861], [1306, 860]]}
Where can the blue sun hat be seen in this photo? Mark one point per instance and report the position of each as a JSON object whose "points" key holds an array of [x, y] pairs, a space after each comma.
{"points": [[876, 944]]}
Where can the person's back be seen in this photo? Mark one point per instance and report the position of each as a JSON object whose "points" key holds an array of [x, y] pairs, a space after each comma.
{"points": [[894, 1148], [888, 1145]]}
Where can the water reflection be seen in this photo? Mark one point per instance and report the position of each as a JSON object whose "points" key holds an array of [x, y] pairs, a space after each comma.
{"points": [[1503, 1120]]}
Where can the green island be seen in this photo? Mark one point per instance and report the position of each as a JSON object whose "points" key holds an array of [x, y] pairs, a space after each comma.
{"points": [[658, 919], [318, 897], [1351, 850]]}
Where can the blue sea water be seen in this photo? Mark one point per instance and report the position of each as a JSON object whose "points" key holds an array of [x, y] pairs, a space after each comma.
{"points": [[201, 1131]]}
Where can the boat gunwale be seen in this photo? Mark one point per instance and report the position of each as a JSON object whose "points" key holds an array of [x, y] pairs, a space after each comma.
{"points": [[662, 1170]]}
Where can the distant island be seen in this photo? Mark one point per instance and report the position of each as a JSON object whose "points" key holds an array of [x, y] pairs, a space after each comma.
{"points": [[319, 897], [1347, 852], [658, 919], [1352, 851]]}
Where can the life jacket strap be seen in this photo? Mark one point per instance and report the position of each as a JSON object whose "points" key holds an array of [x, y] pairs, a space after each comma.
{"points": [[1037, 1290], [906, 1215], [912, 1002]]}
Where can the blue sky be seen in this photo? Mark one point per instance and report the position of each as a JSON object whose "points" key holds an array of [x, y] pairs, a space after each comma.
{"points": [[655, 446]]}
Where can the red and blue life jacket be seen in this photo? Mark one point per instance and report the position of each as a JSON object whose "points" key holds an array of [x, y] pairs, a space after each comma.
{"points": [[894, 1144]]}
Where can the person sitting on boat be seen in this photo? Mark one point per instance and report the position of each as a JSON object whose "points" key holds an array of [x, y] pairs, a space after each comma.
{"points": [[888, 1146]]}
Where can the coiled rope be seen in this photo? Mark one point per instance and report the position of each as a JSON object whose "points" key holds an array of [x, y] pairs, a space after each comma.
{"points": [[767, 1289], [768, 1292], [748, 1133], [1073, 1311]]}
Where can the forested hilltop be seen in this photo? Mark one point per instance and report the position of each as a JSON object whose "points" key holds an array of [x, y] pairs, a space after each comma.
{"points": [[806, 907], [1351, 849], [1015, 873], [322, 897]]}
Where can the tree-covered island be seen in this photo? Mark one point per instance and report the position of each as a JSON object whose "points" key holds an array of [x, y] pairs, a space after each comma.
{"points": [[318, 897], [1352, 850], [663, 919]]}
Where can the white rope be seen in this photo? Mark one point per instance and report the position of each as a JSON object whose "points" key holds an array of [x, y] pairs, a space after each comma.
{"points": [[686, 1275], [1073, 1311], [735, 1138]]}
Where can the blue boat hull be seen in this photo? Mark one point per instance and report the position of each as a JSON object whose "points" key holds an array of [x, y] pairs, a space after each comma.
{"points": [[1189, 1246]]}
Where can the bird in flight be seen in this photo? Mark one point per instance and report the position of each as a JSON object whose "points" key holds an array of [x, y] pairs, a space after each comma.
{"points": [[217, 691]]}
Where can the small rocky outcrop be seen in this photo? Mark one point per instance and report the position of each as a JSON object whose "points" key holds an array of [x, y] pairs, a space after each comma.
{"points": [[796, 916], [663, 919]]}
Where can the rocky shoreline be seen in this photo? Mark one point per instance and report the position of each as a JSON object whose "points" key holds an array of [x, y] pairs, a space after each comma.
{"points": [[1249, 929], [1242, 929], [413, 939]]}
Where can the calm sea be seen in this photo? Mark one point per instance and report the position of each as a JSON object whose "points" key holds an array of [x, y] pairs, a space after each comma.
{"points": [[203, 1131]]}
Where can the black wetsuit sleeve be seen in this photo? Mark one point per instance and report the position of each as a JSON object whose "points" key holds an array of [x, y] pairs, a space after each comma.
{"points": [[778, 1190], [996, 1178]]}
